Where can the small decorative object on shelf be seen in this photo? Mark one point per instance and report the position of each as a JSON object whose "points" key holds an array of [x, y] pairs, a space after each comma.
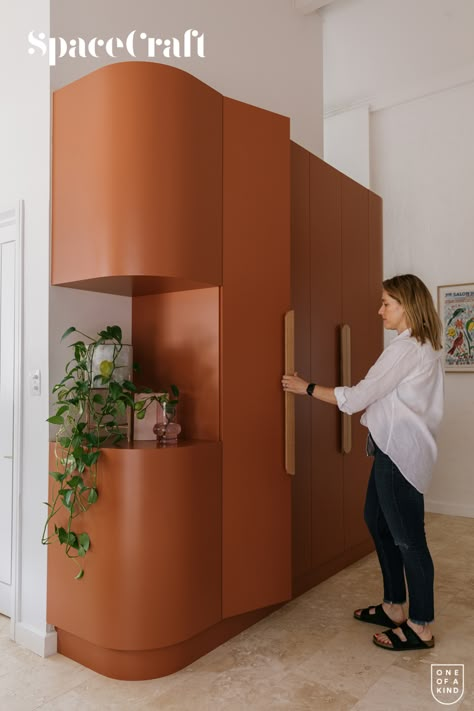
{"points": [[112, 362], [143, 424], [166, 428]]}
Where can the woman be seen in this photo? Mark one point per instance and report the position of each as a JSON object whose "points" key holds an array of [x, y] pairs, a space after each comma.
{"points": [[402, 395]]}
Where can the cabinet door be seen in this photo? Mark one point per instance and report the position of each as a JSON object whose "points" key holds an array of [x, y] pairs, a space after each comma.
{"points": [[256, 490], [301, 299], [326, 309], [357, 311]]}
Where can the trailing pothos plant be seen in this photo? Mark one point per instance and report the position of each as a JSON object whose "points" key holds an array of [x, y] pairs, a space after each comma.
{"points": [[88, 419]]}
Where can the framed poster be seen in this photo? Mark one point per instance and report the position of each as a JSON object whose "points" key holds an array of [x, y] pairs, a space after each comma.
{"points": [[456, 310]]}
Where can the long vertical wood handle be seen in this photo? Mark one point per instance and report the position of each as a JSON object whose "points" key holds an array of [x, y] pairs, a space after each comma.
{"points": [[346, 429], [289, 397]]}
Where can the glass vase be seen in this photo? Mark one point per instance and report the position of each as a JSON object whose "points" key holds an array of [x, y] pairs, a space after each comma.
{"points": [[167, 429]]}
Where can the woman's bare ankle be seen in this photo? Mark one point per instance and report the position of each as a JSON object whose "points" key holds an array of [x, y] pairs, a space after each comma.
{"points": [[394, 611]]}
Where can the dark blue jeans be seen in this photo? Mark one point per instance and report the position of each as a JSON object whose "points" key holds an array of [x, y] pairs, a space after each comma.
{"points": [[394, 513]]}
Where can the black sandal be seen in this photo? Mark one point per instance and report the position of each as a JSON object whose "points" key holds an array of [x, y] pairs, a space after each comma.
{"points": [[413, 641], [379, 617]]}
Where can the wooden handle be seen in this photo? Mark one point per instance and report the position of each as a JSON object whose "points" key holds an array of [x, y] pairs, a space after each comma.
{"points": [[346, 429], [289, 397]]}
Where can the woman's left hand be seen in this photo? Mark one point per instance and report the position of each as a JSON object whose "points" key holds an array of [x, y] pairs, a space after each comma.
{"points": [[294, 384]]}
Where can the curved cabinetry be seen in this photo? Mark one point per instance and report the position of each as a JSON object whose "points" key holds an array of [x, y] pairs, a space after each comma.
{"points": [[137, 181], [166, 191]]}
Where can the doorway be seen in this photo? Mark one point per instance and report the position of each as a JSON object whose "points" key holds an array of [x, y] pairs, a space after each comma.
{"points": [[10, 397]]}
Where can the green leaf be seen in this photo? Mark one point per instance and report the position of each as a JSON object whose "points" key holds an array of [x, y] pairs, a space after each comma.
{"points": [[75, 481], [68, 497], [121, 407], [139, 405], [93, 496], [84, 541], [81, 552], [115, 390], [71, 329], [58, 476], [72, 540], [79, 575], [56, 420], [175, 390], [90, 458], [128, 385], [141, 414], [98, 399], [62, 409], [64, 442], [116, 332], [62, 535]]}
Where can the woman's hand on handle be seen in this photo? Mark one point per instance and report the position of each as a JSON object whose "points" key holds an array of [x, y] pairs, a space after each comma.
{"points": [[294, 384], [297, 386]]}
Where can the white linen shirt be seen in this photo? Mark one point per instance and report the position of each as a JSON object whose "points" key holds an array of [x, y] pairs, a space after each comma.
{"points": [[403, 397]]}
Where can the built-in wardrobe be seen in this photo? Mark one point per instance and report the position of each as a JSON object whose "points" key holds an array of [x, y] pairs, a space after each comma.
{"points": [[336, 230], [200, 209]]}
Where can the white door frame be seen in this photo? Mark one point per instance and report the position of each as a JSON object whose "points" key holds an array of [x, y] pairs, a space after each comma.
{"points": [[14, 216]]}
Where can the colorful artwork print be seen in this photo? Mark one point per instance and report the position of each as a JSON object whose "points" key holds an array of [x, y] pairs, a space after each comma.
{"points": [[456, 310]]}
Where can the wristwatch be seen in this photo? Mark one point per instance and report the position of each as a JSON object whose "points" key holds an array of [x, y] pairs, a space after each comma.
{"points": [[310, 389]]}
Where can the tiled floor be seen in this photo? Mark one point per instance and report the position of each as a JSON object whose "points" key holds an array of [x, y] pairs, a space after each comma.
{"points": [[310, 654]]}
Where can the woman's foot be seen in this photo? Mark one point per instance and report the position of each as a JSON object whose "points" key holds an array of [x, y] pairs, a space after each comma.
{"points": [[423, 632], [395, 612]]}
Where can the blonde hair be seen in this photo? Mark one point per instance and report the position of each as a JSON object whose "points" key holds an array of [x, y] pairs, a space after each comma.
{"points": [[420, 310]]}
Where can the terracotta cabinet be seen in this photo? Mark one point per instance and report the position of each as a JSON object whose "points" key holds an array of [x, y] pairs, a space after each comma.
{"points": [[336, 280], [201, 209], [256, 490], [137, 154], [182, 197]]}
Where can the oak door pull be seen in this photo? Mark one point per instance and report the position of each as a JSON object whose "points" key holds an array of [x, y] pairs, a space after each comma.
{"points": [[346, 428], [289, 397]]}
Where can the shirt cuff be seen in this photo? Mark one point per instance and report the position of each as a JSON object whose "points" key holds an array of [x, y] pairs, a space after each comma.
{"points": [[340, 397]]}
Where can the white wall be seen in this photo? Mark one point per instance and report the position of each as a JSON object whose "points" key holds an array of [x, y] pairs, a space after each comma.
{"points": [[24, 173], [347, 143], [263, 52], [423, 166], [413, 64]]}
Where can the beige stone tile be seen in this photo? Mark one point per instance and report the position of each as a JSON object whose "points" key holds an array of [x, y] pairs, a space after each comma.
{"points": [[36, 680], [399, 689], [349, 662], [99, 693], [240, 689], [309, 655]]}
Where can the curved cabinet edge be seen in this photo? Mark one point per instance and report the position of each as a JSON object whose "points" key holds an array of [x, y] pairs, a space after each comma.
{"points": [[153, 573], [139, 665]]}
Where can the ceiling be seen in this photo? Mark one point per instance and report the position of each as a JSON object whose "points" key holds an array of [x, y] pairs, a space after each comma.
{"points": [[306, 7]]}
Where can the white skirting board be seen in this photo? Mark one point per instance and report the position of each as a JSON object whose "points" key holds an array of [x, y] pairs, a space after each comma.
{"points": [[42, 643], [451, 509]]}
